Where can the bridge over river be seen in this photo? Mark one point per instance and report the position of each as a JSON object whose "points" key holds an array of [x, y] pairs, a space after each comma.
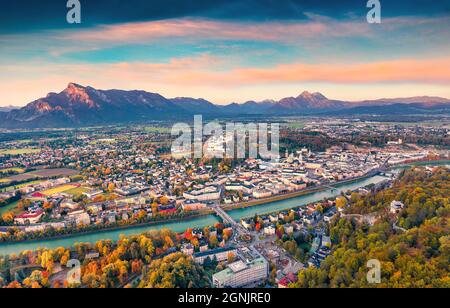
{"points": [[229, 220], [199, 222]]}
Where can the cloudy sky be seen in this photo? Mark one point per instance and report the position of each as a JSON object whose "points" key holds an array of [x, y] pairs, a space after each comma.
{"points": [[226, 51]]}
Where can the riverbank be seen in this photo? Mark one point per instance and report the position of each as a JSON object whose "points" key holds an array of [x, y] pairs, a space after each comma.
{"points": [[295, 194], [305, 199], [115, 228], [228, 208], [113, 235], [438, 162], [198, 214], [199, 222], [181, 226]]}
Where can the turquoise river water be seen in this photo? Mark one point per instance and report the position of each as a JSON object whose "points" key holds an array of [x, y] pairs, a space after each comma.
{"points": [[180, 226]]}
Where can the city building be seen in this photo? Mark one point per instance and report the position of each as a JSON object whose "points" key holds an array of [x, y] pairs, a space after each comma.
{"points": [[240, 274], [207, 194], [396, 207], [287, 280], [31, 218], [269, 230], [219, 254]]}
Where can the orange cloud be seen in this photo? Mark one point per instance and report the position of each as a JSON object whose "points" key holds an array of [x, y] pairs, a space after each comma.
{"points": [[211, 70], [209, 76], [207, 29], [428, 71], [407, 70], [316, 26]]}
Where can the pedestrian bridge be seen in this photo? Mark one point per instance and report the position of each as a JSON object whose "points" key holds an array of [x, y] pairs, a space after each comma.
{"points": [[225, 217], [330, 187], [228, 219]]}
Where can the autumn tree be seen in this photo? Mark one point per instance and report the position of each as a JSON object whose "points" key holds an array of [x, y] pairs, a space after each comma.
{"points": [[174, 271]]}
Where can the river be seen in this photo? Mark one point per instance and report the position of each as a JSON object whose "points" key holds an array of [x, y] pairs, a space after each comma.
{"points": [[200, 222], [181, 226]]}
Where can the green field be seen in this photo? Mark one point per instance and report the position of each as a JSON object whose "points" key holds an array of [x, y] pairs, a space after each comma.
{"points": [[106, 141], [160, 130], [60, 172], [43, 173], [9, 208], [437, 123], [3, 172], [10, 188], [77, 191], [19, 151], [296, 125], [18, 170], [57, 190]]}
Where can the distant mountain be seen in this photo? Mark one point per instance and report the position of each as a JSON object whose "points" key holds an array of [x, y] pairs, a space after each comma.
{"points": [[423, 100], [80, 106], [85, 106], [250, 107], [8, 108], [306, 101], [191, 104], [395, 109]]}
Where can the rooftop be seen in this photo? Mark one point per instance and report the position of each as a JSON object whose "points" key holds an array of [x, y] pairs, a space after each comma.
{"points": [[215, 251], [237, 267]]}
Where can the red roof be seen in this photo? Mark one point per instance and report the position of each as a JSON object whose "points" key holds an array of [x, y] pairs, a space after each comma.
{"points": [[290, 278], [31, 215], [168, 211]]}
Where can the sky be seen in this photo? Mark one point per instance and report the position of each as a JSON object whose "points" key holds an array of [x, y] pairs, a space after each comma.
{"points": [[226, 51]]}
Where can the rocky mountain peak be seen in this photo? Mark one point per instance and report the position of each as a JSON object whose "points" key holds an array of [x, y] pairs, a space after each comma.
{"points": [[78, 94]]}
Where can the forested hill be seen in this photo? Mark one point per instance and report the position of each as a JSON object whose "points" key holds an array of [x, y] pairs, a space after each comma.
{"points": [[417, 256]]}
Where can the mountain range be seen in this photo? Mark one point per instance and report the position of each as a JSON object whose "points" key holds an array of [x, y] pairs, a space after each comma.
{"points": [[8, 108], [78, 106]]}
